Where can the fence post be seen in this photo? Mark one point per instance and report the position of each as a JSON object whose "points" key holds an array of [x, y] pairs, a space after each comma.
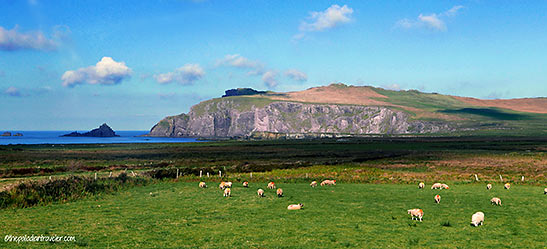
{"points": [[501, 178], [200, 173], [251, 174], [476, 177], [133, 173], [177, 173], [95, 176], [207, 174], [110, 174], [220, 174], [522, 178]]}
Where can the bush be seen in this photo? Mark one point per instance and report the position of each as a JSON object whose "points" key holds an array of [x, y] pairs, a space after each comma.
{"points": [[33, 193]]}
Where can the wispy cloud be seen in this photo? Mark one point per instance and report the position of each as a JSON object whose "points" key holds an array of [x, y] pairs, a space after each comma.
{"points": [[433, 21], [327, 19], [236, 60], [270, 79], [105, 72], [13, 92], [317, 21], [12, 40], [296, 75], [185, 75]]}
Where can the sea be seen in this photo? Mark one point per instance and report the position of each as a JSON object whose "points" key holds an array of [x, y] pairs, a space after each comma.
{"points": [[54, 137]]}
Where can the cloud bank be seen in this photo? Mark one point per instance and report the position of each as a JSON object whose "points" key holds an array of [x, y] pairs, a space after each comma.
{"points": [[185, 75], [105, 72]]}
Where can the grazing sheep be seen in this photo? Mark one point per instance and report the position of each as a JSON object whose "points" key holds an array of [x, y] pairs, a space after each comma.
{"points": [[496, 201], [437, 198], [416, 213], [421, 185], [477, 219], [227, 192], [279, 192], [202, 185], [313, 184], [328, 182], [271, 185], [228, 184], [507, 186], [488, 186], [295, 206], [545, 191], [260, 192], [222, 185], [437, 186], [245, 184], [445, 186]]}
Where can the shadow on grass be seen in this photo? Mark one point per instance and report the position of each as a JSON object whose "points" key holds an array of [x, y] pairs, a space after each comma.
{"points": [[490, 113]]}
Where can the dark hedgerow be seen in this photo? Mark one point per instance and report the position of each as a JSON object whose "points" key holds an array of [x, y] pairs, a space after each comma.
{"points": [[33, 193]]}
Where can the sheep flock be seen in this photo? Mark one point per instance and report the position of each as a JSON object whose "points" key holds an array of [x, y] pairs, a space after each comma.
{"points": [[477, 218]]}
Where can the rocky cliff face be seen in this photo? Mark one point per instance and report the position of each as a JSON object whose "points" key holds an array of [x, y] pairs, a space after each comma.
{"points": [[230, 117]]}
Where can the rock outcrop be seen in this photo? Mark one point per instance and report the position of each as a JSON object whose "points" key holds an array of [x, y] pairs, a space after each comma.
{"points": [[103, 131], [237, 117]]}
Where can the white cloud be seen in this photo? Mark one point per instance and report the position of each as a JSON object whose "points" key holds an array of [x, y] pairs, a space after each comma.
{"points": [[453, 11], [296, 75], [330, 18], [236, 60], [13, 91], [394, 87], [269, 78], [185, 75], [433, 21], [105, 72], [11, 40]]}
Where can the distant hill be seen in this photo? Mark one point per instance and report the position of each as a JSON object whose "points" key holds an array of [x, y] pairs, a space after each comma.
{"points": [[342, 110]]}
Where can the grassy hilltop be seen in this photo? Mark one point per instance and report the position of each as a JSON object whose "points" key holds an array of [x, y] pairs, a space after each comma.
{"points": [[460, 115]]}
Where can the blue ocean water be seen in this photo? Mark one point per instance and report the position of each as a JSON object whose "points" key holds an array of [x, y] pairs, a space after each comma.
{"points": [[53, 137]]}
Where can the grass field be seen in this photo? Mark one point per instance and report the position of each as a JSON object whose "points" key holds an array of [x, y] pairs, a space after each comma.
{"points": [[181, 215]]}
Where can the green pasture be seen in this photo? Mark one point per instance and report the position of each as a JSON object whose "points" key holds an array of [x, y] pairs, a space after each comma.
{"points": [[181, 215]]}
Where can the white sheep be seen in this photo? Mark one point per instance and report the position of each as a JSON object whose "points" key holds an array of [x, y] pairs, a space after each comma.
{"points": [[437, 186], [260, 192], [245, 184], [228, 184], [227, 192], [295, 206], [328, 182], [416, 213], [279, 192], [202, 185], [477, 219], [507, 186], [313, 184], [444, 186], [545, 191], [222, 185], [271, 185], [488, 186], [495, 201], [421, 185], [437, 198]]}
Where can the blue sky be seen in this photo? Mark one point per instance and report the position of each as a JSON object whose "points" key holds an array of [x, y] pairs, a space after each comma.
{"points": [[72, 65]]}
